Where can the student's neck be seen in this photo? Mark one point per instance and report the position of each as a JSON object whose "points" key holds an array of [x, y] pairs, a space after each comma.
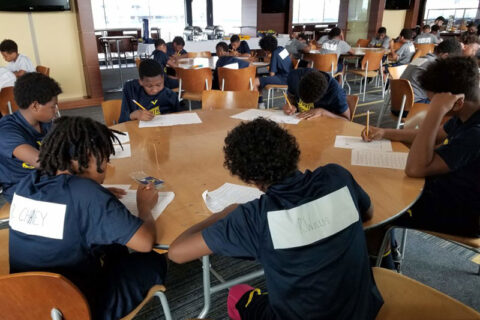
{"points": [[469, 108], [30, 119], [16, 57], [59, 172]]}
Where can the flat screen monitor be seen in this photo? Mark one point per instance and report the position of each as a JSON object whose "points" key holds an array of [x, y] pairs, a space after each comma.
{"points": [[397, 4], [274, 6], [34, 5]]}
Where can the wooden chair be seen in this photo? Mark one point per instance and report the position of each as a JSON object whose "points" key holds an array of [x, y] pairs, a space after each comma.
{"points": [[216, 99], [7, 101], [326, 63], [397, 45], [201, 54], [43, 70], [4, 215], [111, 111], [155, 291], [352, 102], [236, 79], [405, 298], [401, 96], [396, 72], [192, 82], [4, 257], [422, 49], [138, 61], [362, 43], [416, 115], [371, 67], [271, 88]]}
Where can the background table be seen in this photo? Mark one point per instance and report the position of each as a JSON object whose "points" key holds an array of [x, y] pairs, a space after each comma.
{"points": [[209, 45], [211, 62]]}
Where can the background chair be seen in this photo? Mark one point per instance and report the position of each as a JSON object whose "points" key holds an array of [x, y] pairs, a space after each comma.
{"points": [[326, 63], [155, 291], [43, 70], [422, 49], [401, 99], [271, 88], [138, 61], [216, 99], [362, 43], [396, 72], [192, 82], [111, 111], [371, 67], [236, 79], [405, 298], [7, 101], [201, 54], [352, 102]]}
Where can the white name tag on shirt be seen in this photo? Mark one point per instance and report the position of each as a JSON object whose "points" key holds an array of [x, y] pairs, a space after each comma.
{"points": [[283, 54], [330, 46], [411, 48], [37, 218], [424, 40], [232, 66], [313, 221]]}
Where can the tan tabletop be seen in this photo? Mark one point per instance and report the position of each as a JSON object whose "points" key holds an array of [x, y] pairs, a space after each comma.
{"points": [[189, 158], [211, 62]]}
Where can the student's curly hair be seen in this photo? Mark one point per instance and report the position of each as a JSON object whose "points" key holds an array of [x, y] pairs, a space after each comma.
{"points": [[453, 74], [450, 46], [435, 28], [8, 46], [222, 45], [179, 41], [150, 68], [34, 86], [234, 38], [268, 43], [312, 87], [407, 34], [76, 138], [335, 32], [261, 152], [382, 30]]}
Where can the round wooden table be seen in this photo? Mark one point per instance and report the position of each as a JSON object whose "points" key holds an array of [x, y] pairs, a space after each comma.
{"points": [[189, 158]]}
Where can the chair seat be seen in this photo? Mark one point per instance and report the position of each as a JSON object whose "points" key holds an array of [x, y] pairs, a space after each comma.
{"points": [[362, 72], [276, 86], [149, 296], [192, 96], [471, 242]]}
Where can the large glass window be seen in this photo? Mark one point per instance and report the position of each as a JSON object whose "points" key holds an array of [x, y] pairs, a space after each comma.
{"points": [[313, 11], [456, 9], [199, 13], [228, 14], [167, 15]]}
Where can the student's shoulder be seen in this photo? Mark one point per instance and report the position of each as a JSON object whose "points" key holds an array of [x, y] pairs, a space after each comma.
{"points": [[333, 170], [10, 122], [131, 85], [87, 188]]}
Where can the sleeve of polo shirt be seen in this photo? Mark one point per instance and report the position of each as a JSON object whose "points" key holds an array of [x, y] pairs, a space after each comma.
{"points": [[11, 138], [461, 151], [386, 43], [173, 101], [126, 101], [25, 64], [344, 47], [400, 52], [274, 62], [237, 234], [339, 98], [245, 46]]}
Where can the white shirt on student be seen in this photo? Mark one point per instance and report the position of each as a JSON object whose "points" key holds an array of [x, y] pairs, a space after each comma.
{"points": [[22, 63], [7, 78]]}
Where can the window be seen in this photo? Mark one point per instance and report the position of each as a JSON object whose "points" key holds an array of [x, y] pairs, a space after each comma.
{"points": [[228, 14], [199, 13], [315, 11], [167, 15], [458, 9]]}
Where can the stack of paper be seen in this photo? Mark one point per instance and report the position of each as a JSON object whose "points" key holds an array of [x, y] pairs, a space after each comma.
{"points": [[123, 138], [122, 151], [379, 159], [130, 201], [171, 120], [274, 115], [347, 142], [229, 194]]}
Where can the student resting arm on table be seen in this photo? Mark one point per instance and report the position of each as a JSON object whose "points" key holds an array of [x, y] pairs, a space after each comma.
{"points": [[19, 64]]}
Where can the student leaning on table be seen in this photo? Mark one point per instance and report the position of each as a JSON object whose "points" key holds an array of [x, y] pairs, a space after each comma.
{"points": [[85, 230], [146, 97], [447, 156], [306, 231], [18, 63]]}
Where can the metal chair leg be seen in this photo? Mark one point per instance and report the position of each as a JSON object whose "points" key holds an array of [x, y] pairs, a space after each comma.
{"points": [[166, 308]]}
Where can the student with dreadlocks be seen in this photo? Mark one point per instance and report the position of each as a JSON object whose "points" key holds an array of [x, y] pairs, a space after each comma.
{"points": [[62, 220], [21, 133]]}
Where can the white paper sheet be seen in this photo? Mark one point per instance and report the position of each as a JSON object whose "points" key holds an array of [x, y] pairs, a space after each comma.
{"points": [[164, 199], [229, 194], [348, 142], [119, 186], [276, 115], [123, 138], [119, 153], [171, 120], [379, 159]]}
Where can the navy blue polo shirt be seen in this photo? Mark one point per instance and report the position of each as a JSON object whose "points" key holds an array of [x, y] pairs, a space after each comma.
{"points": [[171, 51], [161, 57], [280, 65], [15, 132], [92, 217], [453, 198], [166, 101], [307, 233], [226, 60], [334, 99], [242, 48]]}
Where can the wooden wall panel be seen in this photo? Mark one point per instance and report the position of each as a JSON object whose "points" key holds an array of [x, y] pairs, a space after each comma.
{"points": [[412, 14], [275, 21], [376, 17]]}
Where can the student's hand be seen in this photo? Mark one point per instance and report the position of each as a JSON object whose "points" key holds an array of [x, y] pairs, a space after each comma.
{"points": [[147, 197], [313, 113], [117, 192], [141, 115], [373, 134], [446, 101], [289, 109]]}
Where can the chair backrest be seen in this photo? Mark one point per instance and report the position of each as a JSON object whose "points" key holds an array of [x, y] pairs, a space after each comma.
{"points": [[374, 59], [324, 62], [397, 45], [195, 80], [6, 97], [33, 295], [138, 61], [4, 257], [362, 43], [396, 72], [201, 54], [216, 99], [44, 70], [425, 47], [352, 102], [400, 88], [236, 79], [111, 111], [405, 298]]}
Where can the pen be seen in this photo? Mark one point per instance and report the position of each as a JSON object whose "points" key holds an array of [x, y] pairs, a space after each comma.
{"points": [[138, 104], [368, 121]]}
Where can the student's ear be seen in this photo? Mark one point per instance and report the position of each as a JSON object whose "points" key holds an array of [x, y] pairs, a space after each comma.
{"points": [[458, 105], [34, 106]]}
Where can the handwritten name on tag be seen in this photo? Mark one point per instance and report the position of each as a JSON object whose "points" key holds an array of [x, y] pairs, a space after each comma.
{"points": [[283, 54], [38, 218]]}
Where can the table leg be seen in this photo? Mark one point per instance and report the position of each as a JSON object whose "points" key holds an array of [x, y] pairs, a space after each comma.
{"points": [[120, 88]]}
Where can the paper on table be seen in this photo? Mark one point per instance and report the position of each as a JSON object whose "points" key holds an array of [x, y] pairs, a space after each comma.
{"points": [[229, 194], [119, 186], [379, 159], [171, 120], [276, 115], [123, 138], [347, 142], [119, 153], [164, 199]]}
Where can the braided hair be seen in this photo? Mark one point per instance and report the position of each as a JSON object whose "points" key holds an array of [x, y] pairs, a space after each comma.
{"points": [[76, 139]]}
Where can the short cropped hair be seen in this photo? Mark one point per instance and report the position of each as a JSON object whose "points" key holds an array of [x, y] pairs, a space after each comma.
{"points": [[312, 87], [8, 46], [261, 152], [335, 32], [450, 46], [268, 43], [406, 34], [150, 68], [471, 24], [453, 74], [382, 30], [34, 86], [159, 42], [435, 28], [222, 45], [426, 27], [441, 18], [179, 41], [234, 38]]}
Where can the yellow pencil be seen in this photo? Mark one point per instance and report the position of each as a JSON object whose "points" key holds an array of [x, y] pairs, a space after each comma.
{"points": [[138, 104], [286, 98], [368, 122]]}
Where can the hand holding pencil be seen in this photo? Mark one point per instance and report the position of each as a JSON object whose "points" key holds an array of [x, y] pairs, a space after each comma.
{"points": [[288, 108], [143, 114]]}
